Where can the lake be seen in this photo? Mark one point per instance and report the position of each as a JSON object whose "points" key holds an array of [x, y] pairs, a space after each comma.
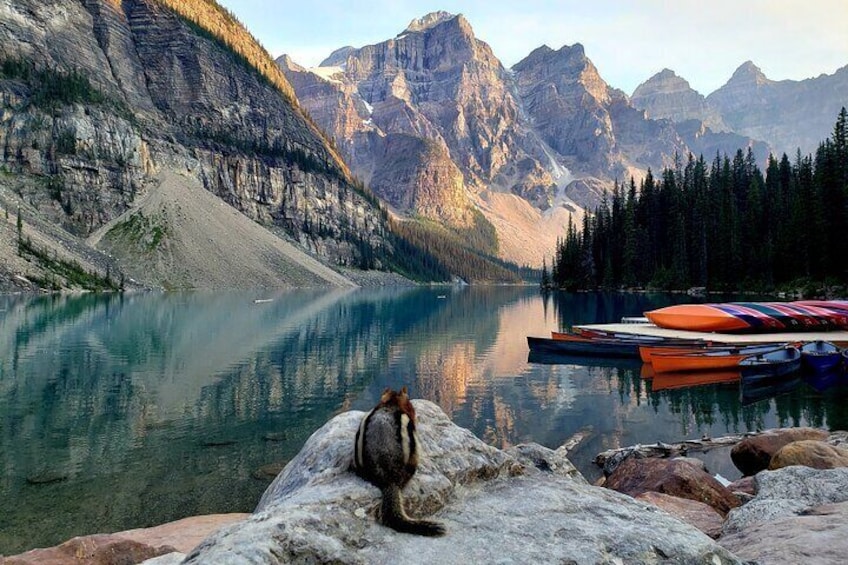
{"points": [[124, 411]]}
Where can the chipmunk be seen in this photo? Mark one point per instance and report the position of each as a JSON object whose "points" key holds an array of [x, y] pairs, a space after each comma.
{"points": [[387, 456]]}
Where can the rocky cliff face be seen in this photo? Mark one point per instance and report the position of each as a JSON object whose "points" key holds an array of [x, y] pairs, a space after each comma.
{"points": [[787, 114], [417, 175], [529, 131], [668, 96], [568, 102], [784, 115], [596, 128], [133, 88], [437, 82]]}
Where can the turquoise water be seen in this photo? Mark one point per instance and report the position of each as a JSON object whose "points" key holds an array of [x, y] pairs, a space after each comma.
{"points": [[124, 411]]}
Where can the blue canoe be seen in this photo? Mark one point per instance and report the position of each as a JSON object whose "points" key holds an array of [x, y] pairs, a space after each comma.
{"points": [[820, 356]]}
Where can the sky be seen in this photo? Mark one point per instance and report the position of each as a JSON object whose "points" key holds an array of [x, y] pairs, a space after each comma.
{"points": [[629, 41]]}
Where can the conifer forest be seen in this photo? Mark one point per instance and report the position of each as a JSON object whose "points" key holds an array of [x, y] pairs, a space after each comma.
{"points": [[724, 225]]}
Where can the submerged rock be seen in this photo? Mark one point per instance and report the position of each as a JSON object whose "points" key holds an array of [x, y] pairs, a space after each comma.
{"points": [[525, 505], [47, 478], [268, 472], [99, 549]]}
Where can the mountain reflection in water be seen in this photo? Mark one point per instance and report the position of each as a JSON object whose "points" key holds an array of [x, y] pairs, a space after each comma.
{"points": [[124, 411]]}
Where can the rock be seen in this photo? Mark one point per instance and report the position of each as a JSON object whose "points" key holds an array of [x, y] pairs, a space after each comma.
{"points": [[746, 485], [183, 535], [753, 454], [790, 491], [417, 176], [788, 114], [695, 462], [192, 109], [702, 516], [544, 459], [820, 535], [671, 476], [268, 472], [810, 453], [158, 544], [668, 96], [431, 118], [174, 558], [317, 510], [99, 549], [47, 478]]}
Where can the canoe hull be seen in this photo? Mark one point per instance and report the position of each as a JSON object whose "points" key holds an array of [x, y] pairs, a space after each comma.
{"points": [[820, 356], [777, 363], [647, 352], [734, 317], [716, 359], [696, 317], [590, 347]]}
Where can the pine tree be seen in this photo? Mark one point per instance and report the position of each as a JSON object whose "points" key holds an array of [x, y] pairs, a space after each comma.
{"points": [[546, 279]]}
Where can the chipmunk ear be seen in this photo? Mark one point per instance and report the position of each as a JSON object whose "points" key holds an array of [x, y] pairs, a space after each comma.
{"points": [[403, 390]]}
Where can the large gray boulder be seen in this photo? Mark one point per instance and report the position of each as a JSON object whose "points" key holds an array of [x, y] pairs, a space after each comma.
{"points": [[790, 491], [525, 505], [817, 536], [799, 515]]}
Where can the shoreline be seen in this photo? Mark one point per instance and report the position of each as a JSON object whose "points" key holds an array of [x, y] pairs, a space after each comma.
{"points": [[180, 537]]}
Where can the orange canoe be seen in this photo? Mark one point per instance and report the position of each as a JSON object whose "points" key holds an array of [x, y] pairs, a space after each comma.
{"points": [[707, 359], [697, 318], [646, 352]]}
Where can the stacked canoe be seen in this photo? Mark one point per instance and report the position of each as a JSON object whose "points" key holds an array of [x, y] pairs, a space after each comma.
{"points": [[754, 317]]}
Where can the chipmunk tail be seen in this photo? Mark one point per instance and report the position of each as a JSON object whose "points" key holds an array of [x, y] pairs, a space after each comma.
{"points": [[393, 516]]}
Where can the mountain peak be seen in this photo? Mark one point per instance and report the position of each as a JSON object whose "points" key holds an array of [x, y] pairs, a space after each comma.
{"points": [[570, 55], [287, 63], [665, 74], [748, 72], [664, 81], [576, 50], [338, 57], [430, 20]]}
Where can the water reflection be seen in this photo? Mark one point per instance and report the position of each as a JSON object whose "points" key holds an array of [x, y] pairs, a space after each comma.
{"points": [[121, 411]]}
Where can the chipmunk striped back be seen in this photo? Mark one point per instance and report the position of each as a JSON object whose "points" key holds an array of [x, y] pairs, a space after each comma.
{"points": [[386, 455]]}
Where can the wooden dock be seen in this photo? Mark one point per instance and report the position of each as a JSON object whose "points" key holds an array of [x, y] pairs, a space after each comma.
{"points": [[840, 337]]}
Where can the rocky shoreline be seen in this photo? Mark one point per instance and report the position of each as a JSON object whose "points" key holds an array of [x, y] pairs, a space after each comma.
{"points": [[655, 504]]}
